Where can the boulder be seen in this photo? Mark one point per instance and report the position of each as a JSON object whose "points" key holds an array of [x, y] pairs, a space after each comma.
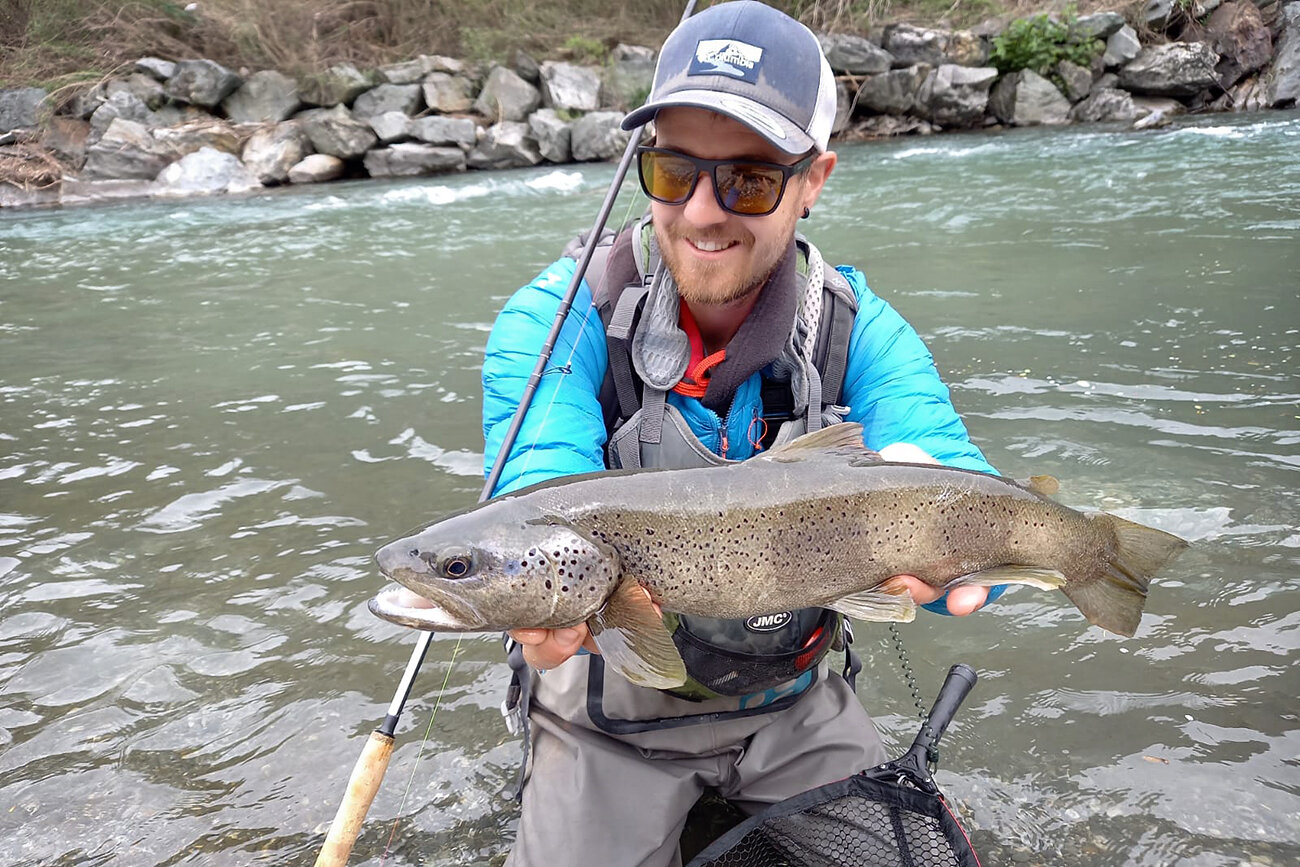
{"points": [[439, 63], [198, 134], [909, 45], [1105, 104], [334, 131], [1098, 25], [391, 126], [1238, 34], [1247, 95], [598, 136], [20, 108], [85, 102], [967, 48], [410, 72], [175, 114], [205, 172], [437, 130], [266, 97], [854, 55], [627, 78], [125, 105], [67, 138], [1157, 13], [1077, 80], [315, 169], [1175, 69], [1025, 98], [552, 134], [1162, 107], [272, 151], [1121, 47], [413, 158], [887, 126], [405, 98], [1282, 88], [505, 145], [126, 151], [338, 85], [506, 97], [527, 67], [448, 93], [156, 68], [955, 96], [143, 87], [893, 92], [202, 82], [569, 87]]}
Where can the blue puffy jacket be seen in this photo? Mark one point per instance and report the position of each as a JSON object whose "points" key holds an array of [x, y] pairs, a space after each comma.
{"points": [[891, 387]]}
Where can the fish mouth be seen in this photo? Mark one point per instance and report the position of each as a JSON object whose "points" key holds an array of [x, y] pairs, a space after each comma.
{"points": [[397, 604]]}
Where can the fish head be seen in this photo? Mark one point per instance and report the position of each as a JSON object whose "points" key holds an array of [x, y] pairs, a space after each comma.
{"points": [[507, 565]]}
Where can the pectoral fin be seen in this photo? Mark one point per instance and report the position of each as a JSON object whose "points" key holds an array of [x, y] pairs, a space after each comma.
{"points": [[1034, 576], [1046, 486], [634, 641], [883, 603]]}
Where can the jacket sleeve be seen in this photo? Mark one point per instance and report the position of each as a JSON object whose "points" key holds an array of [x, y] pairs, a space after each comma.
{"points": [[892, 388], [563, 431]]}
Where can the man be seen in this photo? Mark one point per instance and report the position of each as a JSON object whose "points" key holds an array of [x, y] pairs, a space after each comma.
{"points": [[743, 104]]}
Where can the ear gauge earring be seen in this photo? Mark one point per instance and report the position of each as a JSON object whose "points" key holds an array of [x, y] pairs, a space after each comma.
{"points": [[807, 212]]}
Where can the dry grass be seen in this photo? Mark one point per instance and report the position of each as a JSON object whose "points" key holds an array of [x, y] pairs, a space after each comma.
{"points": [[29, 167]]}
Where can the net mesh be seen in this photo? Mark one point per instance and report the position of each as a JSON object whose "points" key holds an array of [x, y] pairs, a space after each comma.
{"points": [[858, 822]]}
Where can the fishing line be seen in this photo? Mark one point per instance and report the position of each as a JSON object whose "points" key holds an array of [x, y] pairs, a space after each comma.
{"points": [[410, 780]]}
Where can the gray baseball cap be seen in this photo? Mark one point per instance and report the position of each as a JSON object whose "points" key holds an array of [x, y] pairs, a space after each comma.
{"points": [[753, 64]]}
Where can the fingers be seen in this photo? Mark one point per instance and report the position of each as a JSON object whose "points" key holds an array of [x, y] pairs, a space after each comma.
{"points": [[961, 600], [547, 648], [906, 453]]}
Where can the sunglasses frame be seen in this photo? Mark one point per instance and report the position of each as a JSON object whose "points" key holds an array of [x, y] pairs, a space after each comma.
{"points": [[711, 167]]}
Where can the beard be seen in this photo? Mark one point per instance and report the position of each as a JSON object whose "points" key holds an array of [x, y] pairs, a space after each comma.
{"points": [[720, 283]]}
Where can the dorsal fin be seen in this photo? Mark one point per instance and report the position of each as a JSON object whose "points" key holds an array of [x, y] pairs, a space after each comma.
{"points": [[1046, 486], [842, 439]]}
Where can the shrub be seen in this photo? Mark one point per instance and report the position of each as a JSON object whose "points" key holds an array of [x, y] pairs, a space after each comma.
{"points": [[1039, 43]]}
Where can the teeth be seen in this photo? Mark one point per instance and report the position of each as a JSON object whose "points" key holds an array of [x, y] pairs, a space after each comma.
{"points": [[711, 246]]}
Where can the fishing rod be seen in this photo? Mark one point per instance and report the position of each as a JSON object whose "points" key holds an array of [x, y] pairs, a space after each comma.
{"points": [[371, 765]]}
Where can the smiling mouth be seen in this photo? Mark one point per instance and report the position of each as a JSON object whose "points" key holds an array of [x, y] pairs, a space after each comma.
{"points": [[706, 246]]}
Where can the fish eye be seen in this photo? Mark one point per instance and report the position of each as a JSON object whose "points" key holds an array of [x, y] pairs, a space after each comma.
{"points": [[456, 566]]}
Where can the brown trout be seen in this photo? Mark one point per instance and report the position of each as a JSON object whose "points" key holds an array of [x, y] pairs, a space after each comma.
{"points": [[821, 521]]}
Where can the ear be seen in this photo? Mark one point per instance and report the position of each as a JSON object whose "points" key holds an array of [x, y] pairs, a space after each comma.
{"points": [[815, 178]]}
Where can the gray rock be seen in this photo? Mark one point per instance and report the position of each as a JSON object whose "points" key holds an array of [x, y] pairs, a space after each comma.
{"points": [[81, 191], [439, 63], [1246, 95], [405, 98], [126, 151], [569, 87], [505, 145], [156, 68], [1105, 104], [411, 158], [598, 136], [955, 96], [1238, 34], [1282, 85], [196, 135], [67, 138], [334, 131], [1157, 13], [627, 78], [272, 151], [1121, 47], [315, 169], [506, 97], [968, 48], [888, 126], [552, 134], [83, 105], [202, 82], [1174, 69], [893, 92], [410, 72], [1106, 80], [1025, 98], [23, 197], [175, 114], [20, 108], [1159, 105], [1098, 25], [338, 85], [391, 126], [436, 130], [266, 97], [203, 173], [125, 105], [448, 93], [1078, 79], [143, 87], [910, 45], [854, 55]]}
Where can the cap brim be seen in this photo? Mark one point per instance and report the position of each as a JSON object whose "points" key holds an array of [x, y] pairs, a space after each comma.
{"points": [[774, 127]]}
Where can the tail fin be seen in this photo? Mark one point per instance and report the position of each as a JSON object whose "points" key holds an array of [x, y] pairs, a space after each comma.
{"points": [[1114, 598]]}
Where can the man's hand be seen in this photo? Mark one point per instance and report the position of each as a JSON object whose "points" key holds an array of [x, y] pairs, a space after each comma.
{"points": [[547, 648]]}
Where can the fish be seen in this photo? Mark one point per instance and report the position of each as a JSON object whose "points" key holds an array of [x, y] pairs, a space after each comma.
{"points": [[821, 521]]}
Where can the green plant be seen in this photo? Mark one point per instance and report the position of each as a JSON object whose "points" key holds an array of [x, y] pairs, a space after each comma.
{"points": [[1039, 43], [584, 49]]}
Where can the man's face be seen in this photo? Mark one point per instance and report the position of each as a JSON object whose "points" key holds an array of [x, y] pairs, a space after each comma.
{"points": [[716, 256]]}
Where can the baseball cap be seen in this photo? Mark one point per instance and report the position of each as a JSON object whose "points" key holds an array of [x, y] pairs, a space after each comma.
{"points": [[753, 64]]}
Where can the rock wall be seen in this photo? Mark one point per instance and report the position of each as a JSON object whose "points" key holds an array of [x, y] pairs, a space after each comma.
{"points": [[193, 127]]}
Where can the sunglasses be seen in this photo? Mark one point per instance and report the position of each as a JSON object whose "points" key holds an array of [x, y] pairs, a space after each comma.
{"points": [[746, 187]]}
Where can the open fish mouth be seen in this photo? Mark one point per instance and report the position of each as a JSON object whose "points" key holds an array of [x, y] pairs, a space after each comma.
{"points": [[396, 604]]}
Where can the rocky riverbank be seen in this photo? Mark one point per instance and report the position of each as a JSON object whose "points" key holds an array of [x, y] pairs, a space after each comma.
{"points": [[193, 127]]}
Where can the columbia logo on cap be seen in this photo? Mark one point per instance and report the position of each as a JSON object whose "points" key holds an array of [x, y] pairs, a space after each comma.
{"points": [[726, 57]]}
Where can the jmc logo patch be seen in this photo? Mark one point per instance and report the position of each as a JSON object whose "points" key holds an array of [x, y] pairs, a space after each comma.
{"points": [[768, 622]]}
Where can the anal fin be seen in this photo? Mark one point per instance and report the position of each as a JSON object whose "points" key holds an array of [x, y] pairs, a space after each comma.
{"points": [[881, 604], [634, 641]]}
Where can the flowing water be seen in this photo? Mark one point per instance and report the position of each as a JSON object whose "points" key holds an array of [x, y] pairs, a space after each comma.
{"points": [[212, 413]]}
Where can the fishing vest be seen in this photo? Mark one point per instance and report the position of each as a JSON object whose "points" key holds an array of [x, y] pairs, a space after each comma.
{"points": [[771, 656]]}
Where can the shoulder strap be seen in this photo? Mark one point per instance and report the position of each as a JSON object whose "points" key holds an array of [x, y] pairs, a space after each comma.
{"points": [[831, 354]]}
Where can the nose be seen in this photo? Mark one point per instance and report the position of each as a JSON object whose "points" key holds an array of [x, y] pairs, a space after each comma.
{"points": [[402, 554], [702, 208]]}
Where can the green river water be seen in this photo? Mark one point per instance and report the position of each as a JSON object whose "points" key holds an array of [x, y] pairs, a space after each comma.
{"points": [[213, 412]]}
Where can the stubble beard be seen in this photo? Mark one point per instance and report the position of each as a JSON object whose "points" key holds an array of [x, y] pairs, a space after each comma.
{"points": [[718, 284]]}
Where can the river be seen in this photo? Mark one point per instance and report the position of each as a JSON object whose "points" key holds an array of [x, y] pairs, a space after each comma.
{"points": [[213, 412]]}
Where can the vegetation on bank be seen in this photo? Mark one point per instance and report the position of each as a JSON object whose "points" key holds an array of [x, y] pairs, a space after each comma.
{"points": [[54, 43]]}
